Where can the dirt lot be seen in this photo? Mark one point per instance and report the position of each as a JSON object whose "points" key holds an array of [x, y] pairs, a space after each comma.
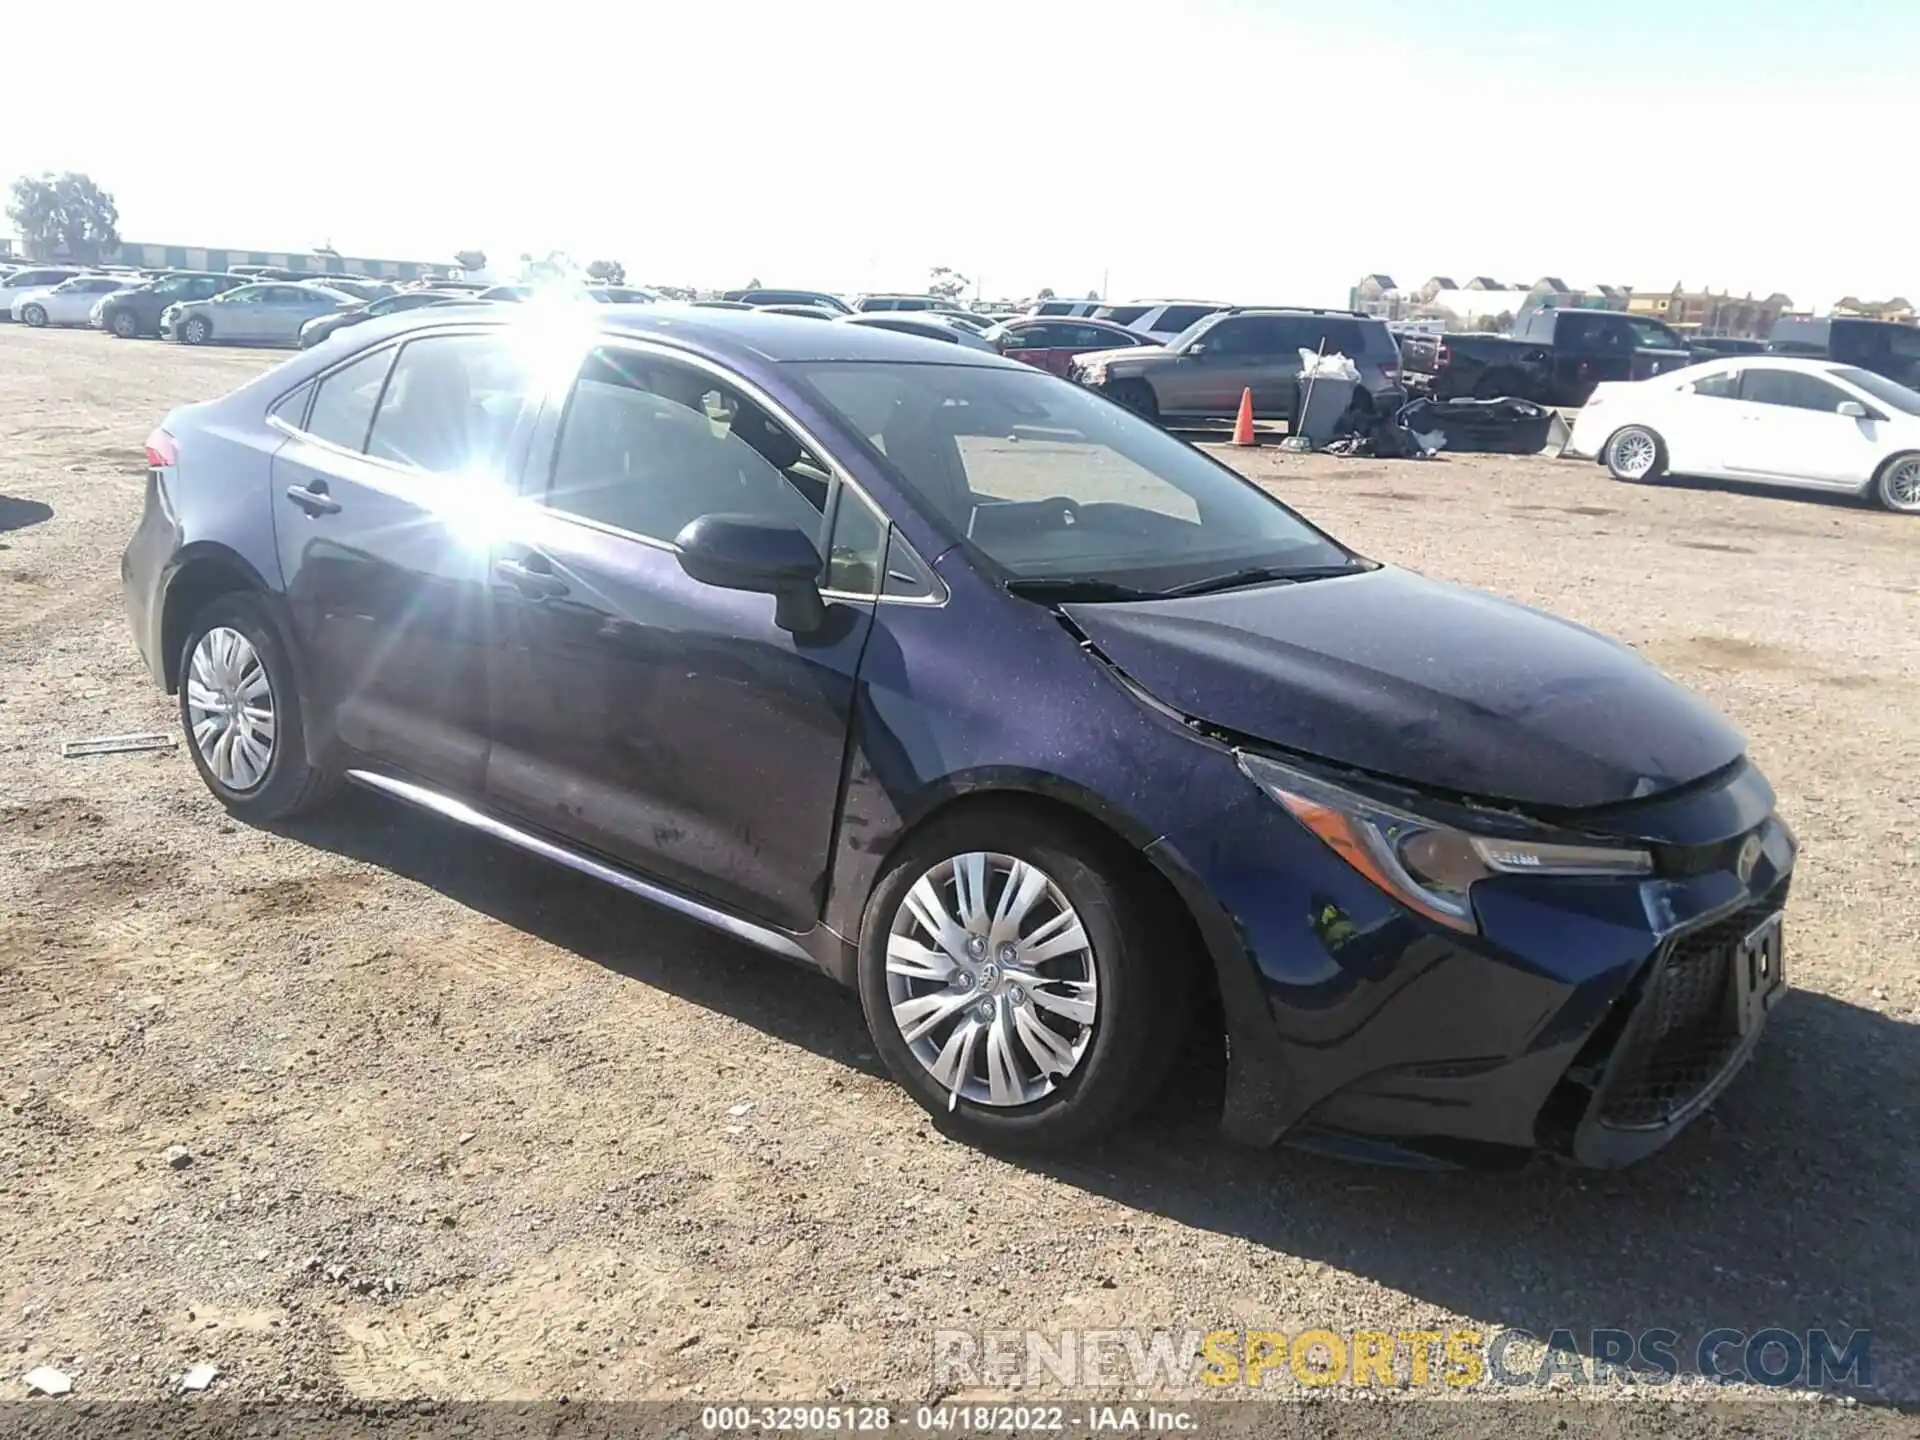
{"points": [[462, 1124]]}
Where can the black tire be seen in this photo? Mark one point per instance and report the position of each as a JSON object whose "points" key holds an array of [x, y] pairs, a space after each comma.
{"points": [[196, 330], [1137, 396], [1143, 984], [1891, 492], [289, 784], [34, 315], [1625, 451], [125, 324]]}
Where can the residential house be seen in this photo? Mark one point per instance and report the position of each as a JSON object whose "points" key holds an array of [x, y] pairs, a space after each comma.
{"points": [[1899, 309], [1377, 295], [1701, 312]]}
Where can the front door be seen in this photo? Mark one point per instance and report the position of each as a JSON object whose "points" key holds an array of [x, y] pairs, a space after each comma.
{"points": [[383, 497], [1791, 430], [666, 724]]}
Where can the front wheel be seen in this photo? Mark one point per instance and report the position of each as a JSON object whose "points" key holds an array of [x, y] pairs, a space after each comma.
{"points": [[240, 707], [1014, 982], [1635, 454], [197, 331], [1137, 396], [124, 324], [1898, 487], [34, 315]]}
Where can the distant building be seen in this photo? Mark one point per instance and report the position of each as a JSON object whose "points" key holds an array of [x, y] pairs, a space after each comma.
{"points": [[193, 257], [1377, 295], [1899, 309], [1701, 312]]}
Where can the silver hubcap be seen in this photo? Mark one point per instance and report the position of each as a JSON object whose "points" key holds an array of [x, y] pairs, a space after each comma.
{"points": [[230, 708], [1903, 485], [1633, 453], [991, 979], [196, 329]]}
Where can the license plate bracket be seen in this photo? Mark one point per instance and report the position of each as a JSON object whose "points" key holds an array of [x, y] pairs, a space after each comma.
{"points": [[1759, 973]]}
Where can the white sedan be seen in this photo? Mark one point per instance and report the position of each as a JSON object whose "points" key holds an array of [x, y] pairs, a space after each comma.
{"points": [[70, 302], [1765, 418]]}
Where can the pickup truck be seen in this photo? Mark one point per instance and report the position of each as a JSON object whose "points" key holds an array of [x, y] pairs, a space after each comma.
{"points": [[1553, 357]]}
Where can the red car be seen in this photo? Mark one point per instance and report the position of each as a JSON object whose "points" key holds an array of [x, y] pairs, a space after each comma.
{"points": [[1050, 342]]}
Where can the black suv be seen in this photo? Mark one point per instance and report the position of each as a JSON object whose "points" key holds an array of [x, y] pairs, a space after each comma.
{"points": [[1202, 374], [128, 313], [1882, 346]]}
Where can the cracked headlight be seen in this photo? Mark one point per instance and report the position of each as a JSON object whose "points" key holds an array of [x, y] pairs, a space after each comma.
{"points": [[1428, 867]]}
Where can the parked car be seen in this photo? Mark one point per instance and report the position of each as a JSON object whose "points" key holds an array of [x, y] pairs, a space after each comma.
{"points": [[71, 302], [723, 305], [1053, 344], [810, 312], [621, 295], [265, 314], [1713, 347], [926, 326], [1202, 374], [1046, 732], [1159, 320], [1785, 422], [137, 311], [322, 327], [358, 287], [763, 299], [1553, 357], [1882, 346], [32, 277], [1065, 307], [867, 303]]}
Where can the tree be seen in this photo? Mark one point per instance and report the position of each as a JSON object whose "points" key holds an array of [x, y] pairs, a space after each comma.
{"points": [[754, 284], [1046, 293], [64, 215], [947, 283], [470, 259], [611, 271]]}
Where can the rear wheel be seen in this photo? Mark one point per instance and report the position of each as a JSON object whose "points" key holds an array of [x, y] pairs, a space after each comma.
{"points": [[197, 331], [1138, 397], [240, 707], [1898, 487], [1015, 983], [1635, 455], [35, 315]]}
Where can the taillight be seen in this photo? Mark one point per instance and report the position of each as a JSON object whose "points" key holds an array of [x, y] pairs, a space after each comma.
{"points": [[1442, 357], [162, 453], [1392, 373]]}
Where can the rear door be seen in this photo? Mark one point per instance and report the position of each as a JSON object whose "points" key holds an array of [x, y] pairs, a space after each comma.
{"points": [[387, 496]]}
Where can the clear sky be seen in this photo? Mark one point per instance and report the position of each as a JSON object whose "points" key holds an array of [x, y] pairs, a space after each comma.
{"points": [[1261, 152]]}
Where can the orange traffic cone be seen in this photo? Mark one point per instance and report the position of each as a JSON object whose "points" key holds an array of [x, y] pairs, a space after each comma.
{"points": [[1243, 422]]}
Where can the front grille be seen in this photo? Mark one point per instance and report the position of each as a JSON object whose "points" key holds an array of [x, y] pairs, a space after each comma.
{"points": [[1684, 1030]]}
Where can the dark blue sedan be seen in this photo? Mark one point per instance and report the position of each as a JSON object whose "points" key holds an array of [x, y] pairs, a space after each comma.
{"points": [[1074, 752]]}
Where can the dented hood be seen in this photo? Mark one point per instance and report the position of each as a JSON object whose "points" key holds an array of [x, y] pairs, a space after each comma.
{"points": [[1430, 683]]}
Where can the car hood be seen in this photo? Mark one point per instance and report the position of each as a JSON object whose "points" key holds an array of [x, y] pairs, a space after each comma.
{"points": [[1434, 684]]}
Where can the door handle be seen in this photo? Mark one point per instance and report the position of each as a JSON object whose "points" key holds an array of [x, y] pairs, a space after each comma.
{"points": [[535, 579], [313, 498]]}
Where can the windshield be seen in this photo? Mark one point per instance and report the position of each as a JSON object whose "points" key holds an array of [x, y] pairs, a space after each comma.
{"points": [[1886, 391], [1045, 481]]}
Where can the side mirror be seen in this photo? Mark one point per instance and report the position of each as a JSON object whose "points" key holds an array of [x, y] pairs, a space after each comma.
{"points": [[770, 557], [1852, 409], [1199, 347]]}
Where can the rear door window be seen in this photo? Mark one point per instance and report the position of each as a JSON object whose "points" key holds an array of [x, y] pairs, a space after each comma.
{"points": [[451, 405], [344, 401]]}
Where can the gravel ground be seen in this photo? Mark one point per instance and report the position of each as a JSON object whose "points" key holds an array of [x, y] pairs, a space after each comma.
{"points": [[460, 1124]]}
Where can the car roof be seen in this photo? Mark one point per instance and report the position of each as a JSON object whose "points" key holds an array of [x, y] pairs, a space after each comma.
{"points": [[738, 337]]}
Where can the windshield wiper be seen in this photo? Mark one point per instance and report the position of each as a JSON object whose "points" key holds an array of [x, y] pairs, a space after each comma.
{"points": [[1262, 575], [1069, 588]]}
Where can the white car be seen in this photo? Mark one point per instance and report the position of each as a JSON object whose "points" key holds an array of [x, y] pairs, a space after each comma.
{"points": [[1765, 418], [70, 302]]}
